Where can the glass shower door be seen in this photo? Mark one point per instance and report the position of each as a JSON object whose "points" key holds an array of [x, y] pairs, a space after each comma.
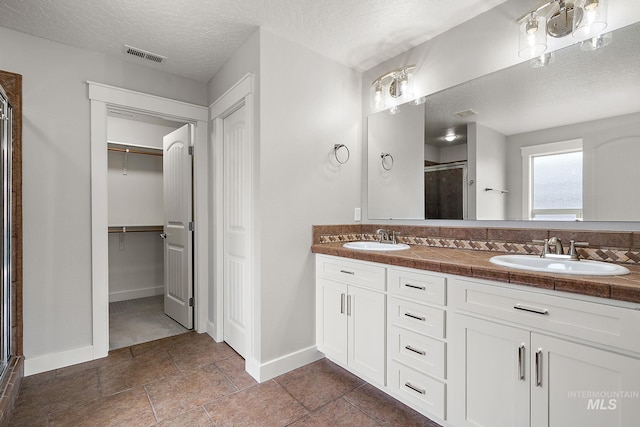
{"points": [[5, 244]]}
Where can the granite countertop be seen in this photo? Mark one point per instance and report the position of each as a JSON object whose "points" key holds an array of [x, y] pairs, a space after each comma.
{"points": [[476, 264]]}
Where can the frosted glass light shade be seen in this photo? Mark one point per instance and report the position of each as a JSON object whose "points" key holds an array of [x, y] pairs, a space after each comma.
{"points": [[533, 37], [589, 18]]}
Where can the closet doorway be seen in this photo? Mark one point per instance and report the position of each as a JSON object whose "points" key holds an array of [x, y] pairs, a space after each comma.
{"points": [[150, 213]]}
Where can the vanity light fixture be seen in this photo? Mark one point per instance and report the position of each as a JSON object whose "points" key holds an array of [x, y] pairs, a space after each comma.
{"points": [[392, 89], [559, 18]]}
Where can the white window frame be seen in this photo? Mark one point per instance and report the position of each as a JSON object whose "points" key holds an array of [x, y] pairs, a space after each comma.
{"points": [[528, 153]]}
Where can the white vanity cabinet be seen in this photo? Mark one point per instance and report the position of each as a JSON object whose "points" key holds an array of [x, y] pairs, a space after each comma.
{"points": [[416, 339], [523, 358], [351, 315]]}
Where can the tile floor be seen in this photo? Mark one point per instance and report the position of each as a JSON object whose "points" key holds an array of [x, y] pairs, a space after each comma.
{"points": [[190, 380]]}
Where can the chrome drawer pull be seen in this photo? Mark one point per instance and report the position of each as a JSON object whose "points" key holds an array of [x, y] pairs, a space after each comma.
{"points": [[531, 309], [521, 362], [347, 272], [413, 316], [409, 285], [414, 388], [539, 368], [420, 352]]}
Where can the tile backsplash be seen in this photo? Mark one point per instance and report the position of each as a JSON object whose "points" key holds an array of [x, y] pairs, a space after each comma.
{"points": [[611, 246]]}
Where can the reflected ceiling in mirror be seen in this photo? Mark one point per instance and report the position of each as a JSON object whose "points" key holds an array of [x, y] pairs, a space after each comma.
{"points": [[579, 86]]}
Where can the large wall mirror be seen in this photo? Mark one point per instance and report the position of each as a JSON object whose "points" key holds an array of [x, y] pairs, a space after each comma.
{"points": [[560, 142]]}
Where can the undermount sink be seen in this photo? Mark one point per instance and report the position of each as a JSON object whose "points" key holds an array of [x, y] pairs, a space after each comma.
{"points": [[376, 246], [561, 266]]}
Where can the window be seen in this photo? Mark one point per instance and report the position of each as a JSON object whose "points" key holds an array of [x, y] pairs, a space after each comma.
{"points": [[552, 181]]}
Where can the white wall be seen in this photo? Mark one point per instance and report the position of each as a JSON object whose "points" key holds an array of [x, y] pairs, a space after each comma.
{"points": [[305, 103], [487, 168], [56, 179], [136, 260], [308, 104], [399, 192]]}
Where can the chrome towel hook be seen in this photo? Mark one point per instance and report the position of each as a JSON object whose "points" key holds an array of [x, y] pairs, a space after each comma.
{"points": [[339, 151], [387, 161]]}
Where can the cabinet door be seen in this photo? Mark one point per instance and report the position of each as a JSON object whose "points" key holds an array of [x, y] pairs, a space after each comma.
{"points": [[578, 385], [367, 345], [331, 322], [490, 384]]}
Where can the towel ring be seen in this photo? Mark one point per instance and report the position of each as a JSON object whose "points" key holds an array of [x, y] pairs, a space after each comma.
{"points": [[338, 147], [384, 156]]}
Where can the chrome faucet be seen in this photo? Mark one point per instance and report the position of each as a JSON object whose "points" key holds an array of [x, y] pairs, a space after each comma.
{"points": [[387, 236], [552, 248], [555, 243]]}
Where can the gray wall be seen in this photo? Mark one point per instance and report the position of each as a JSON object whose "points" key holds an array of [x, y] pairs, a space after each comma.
{"points": [[56, 175]]}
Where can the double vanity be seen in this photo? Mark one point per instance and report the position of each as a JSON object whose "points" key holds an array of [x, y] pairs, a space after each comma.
{"points": [[470, 342]]}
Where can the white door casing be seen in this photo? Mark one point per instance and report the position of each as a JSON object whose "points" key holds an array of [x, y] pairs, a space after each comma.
{"points": [[237, 229], [239, 96], [178, 244], [103, 96]]}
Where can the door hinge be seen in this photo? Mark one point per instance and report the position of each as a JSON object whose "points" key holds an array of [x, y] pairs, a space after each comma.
{"points": [[191, 302], [192, 226], [191, 150]]}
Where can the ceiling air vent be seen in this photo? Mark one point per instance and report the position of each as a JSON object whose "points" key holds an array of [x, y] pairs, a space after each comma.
{"points": [[144, 54], [465, 113]]}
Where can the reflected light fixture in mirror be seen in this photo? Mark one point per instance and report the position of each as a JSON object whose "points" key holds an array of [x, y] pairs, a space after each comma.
{"points": [[596, 42], [543, 60], [559, 18], [392, 89]]}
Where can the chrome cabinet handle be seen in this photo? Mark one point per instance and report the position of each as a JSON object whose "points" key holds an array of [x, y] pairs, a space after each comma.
{"points": [[347, 272], [341, 303], [536, 310], [415, 350], [521, 362], [414, 388], [163, 235], [348, 305], [413, 316], [539, 368], [421, 288]]}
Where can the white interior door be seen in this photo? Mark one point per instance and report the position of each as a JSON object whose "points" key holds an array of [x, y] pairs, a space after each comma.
{"points": [[237, 230], [178, 207]]}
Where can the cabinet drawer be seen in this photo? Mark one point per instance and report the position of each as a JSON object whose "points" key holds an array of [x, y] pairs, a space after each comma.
{"points": [[420, 389], [425, 354], [418, 286], [591, 321], [421, 318], [352, 271]]}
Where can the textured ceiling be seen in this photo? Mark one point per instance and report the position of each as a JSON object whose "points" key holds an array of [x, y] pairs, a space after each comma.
{"points": [[199, 36]]}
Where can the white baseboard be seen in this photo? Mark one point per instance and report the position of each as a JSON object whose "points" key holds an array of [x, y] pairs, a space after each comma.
{"points": [[136, 293], [265, 371], [211, 331], [52, 361]]}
